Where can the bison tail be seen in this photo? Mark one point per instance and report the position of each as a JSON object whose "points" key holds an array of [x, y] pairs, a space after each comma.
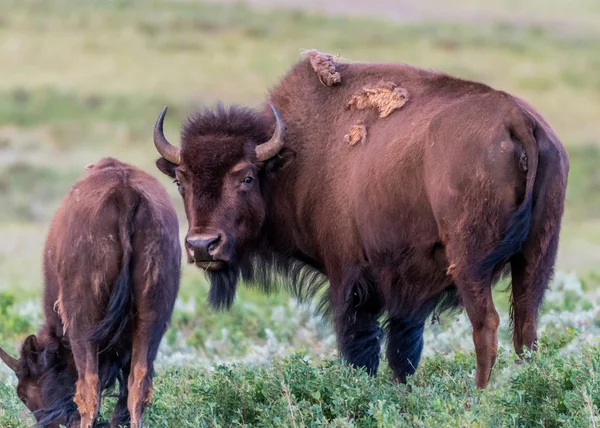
{"points": [[119, 304], [522, 129]]}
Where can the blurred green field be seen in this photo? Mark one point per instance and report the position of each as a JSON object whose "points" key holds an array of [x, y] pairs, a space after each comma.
{"points": [[81, 80]]}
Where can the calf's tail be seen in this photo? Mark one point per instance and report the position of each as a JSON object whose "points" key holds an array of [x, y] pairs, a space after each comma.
{"points": [[118, 311]]}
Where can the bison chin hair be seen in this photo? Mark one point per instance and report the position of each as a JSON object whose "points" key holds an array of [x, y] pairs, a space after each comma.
{"points": [[223, 286]]}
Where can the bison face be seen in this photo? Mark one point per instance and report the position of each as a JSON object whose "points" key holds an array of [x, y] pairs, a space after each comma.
{"points": [[225, 211], [44, 383], [218, 171]]}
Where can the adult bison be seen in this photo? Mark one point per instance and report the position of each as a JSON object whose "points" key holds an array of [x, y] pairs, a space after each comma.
{"points": [[111, 269], [409, 190]]}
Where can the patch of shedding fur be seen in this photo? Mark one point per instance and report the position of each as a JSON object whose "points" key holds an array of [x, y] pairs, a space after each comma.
{"points": [[451, 269], [135, 398], [357, 134], [149, 396], [153, 256], [98, 280], [324, 66], [58, 308], [86, 396], [384, 96]]}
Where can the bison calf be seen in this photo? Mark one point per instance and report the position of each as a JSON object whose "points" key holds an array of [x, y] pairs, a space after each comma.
{"points": [[111, 268]]}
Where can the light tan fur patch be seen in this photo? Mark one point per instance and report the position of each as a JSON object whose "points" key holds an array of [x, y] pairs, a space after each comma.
{"points": [[384, 96], [153, 257], [135, 399], [451, 269], [139, 373], [358, 133], [324, 66], [86, 397], [149, 396], [58, 308]]}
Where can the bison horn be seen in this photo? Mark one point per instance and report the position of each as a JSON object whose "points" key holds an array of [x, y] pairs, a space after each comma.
{"points": [[11, 362], [166, 149], [273, 146]]}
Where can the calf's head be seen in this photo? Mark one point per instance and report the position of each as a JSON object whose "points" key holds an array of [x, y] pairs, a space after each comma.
{"points": [[45, 382], [219, 170]]}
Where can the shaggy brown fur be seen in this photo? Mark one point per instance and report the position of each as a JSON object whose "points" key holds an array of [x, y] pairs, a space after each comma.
{"points": [[111, 269], [385, 97], [324, 66], [424, 217], [358, 133]]}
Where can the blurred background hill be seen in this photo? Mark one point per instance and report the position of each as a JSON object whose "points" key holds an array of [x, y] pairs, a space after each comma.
{"points": [[81, 80]]}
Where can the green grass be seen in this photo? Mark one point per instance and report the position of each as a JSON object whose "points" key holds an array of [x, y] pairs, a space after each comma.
{"points": [[553, 390], [81, 80]]}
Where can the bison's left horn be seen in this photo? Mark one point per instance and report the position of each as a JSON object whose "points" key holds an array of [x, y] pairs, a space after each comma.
{"points": [[273, 146], [11, 362], [166, 149]]}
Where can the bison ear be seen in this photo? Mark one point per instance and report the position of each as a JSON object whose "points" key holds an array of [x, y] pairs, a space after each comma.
{"points": [[166, 167], [280, 161], [30, 351]]}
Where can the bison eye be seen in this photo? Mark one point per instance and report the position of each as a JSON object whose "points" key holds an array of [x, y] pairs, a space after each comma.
{"points": [[177, 182], [23, 399], [248, 180]]}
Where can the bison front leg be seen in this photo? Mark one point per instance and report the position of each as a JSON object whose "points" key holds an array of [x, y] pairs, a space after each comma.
{"points": [[356, 314], [405, 345], [477, 299]]}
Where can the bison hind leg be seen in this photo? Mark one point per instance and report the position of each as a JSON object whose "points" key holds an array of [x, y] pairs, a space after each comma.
{"points": [[120, 416]]}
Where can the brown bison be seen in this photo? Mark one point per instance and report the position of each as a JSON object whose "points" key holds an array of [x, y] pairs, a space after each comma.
{"points": [[409, 190], [111, 269]]}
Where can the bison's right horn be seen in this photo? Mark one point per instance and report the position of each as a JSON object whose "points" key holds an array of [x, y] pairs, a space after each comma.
{"points": [[11, 362], [269, 149], [166, 149]]}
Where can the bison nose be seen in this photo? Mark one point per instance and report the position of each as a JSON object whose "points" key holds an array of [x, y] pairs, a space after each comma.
{"points": [[204, 246]]}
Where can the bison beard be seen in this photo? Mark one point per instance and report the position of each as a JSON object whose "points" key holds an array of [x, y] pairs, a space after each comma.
{"points": [[223, 285]]}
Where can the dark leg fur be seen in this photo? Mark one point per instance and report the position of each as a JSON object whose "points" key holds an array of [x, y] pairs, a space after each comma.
{"points": [[120, 416], [356, 321], [530, 277], [532, 268], [360, 343], [405, 345]]}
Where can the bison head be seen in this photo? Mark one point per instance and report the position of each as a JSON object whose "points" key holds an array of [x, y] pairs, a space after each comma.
{"points": [[46, 383], [219, 170]]}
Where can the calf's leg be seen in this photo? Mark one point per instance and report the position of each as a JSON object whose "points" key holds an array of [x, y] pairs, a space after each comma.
{"points": [[87, 388], [120, 416], [147, 336]]}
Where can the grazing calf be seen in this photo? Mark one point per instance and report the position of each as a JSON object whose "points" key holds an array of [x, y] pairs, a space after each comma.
{"points": [[111, 268]]}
